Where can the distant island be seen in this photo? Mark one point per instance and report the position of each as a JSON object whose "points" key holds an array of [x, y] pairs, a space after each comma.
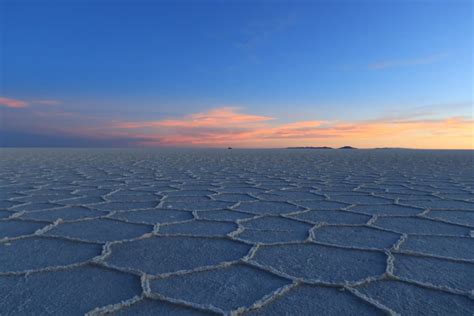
{"points": [[347, 147], [322, 147]]}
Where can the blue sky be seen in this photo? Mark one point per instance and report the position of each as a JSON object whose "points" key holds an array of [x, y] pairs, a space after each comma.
{"points": [[293, 61]]}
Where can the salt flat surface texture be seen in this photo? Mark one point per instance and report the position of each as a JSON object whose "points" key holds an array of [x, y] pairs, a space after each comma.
{"points": [[266, 232]]}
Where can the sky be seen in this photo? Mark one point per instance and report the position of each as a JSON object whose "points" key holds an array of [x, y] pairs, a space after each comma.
{"points": [[259, 74]]}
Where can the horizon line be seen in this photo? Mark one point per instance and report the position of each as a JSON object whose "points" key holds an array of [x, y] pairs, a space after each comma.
{"points": [[236, 148]]}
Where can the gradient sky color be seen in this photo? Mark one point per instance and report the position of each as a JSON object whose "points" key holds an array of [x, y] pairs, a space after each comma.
{"points": [[236, 73]]}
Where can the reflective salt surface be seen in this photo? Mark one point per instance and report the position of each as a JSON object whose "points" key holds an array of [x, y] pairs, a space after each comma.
{"points": [[267, 232]]}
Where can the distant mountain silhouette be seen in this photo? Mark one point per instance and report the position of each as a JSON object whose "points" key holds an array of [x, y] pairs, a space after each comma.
{"points": [[347, 147]]}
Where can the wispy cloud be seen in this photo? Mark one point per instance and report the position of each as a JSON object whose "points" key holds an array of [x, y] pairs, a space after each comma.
{"points": [[47, 102], [215, 118], [260, 30], [13, 103], [430, 59], [16, 103]]}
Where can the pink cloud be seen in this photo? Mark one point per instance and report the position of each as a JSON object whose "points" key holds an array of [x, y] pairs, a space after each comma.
{"points": [[225, 116], [13, 103]]}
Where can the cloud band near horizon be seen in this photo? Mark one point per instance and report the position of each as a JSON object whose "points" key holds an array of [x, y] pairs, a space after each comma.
{"points": [[230, 126]]}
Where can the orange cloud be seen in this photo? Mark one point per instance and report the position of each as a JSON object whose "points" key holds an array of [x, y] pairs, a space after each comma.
{"points": [[225, 116], [13, 103]]}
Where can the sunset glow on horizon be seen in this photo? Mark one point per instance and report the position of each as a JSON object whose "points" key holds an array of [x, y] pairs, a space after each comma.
{"points": [[229, 126]]}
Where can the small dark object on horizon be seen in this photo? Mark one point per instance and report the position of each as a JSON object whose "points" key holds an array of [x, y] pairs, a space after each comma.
{"points": [[229, 147], [347, 147]]}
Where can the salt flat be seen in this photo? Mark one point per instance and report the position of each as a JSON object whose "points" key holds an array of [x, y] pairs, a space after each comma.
{"points": [[266, 232]]}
